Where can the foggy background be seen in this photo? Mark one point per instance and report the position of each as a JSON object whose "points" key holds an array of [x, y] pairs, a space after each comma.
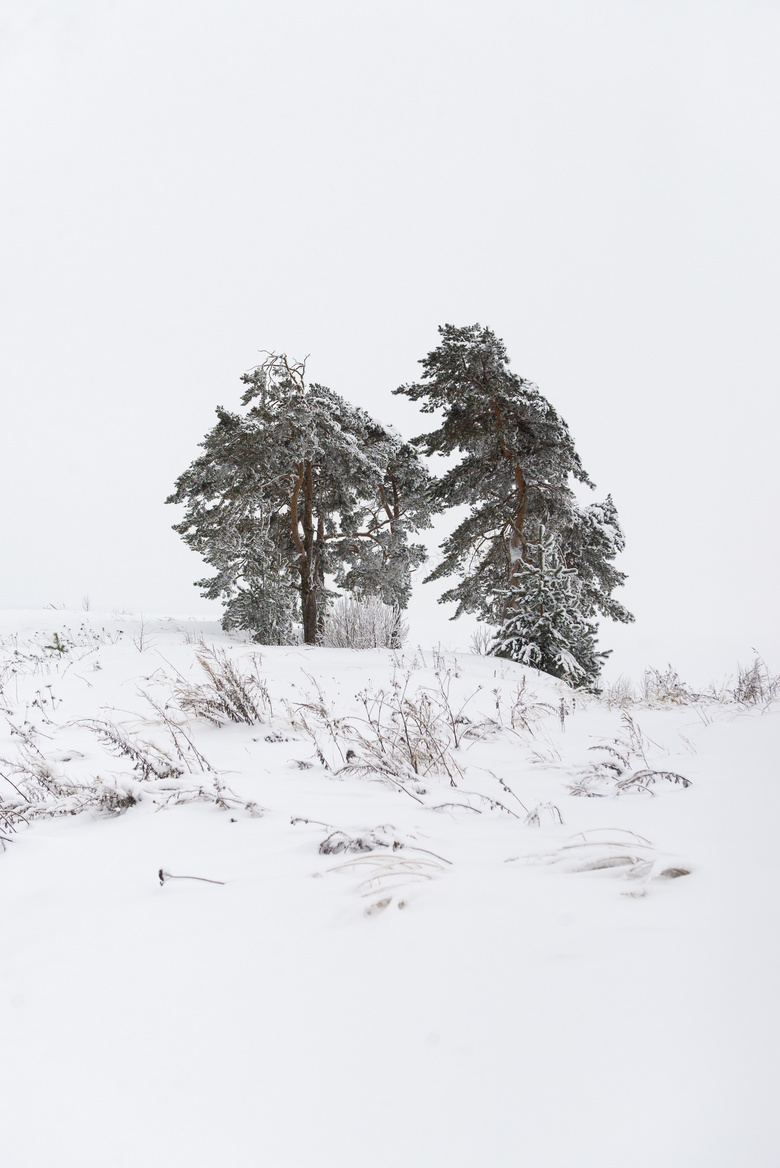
{"points": [[188, 183]]}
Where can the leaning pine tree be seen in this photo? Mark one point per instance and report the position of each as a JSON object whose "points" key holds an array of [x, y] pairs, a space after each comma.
{"points": [[299, 488], [516, 472]]}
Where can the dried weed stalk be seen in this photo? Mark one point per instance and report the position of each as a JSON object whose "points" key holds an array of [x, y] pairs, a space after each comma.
{"points": [[228, 695], [615, 771], [755, 685]]}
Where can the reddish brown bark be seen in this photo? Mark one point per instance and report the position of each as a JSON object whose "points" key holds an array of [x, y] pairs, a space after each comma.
{"points": [[516, 541]]}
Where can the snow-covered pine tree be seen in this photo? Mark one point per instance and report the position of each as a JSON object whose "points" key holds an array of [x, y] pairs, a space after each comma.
{"points": [[516, 475], [544, 623], [299, 487]]}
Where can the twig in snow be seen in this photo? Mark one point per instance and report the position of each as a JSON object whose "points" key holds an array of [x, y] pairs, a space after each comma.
{"points": [[163, 875]]}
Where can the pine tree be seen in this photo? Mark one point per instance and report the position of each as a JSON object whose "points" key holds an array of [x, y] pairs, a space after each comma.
{"points": [[516, 473], [301, 487], [544, 623]]}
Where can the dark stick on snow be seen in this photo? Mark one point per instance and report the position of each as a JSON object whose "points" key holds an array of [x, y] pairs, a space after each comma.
{"points": [[169, 876]]}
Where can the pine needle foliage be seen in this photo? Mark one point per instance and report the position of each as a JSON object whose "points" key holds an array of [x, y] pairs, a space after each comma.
{"points": [[517, 472], [299, 487], [544, 625]]}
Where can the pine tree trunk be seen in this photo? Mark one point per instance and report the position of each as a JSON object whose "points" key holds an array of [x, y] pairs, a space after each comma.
{"points": [[516, 541], [319, 576], [309, 589], [302, 516], [309, 614]]}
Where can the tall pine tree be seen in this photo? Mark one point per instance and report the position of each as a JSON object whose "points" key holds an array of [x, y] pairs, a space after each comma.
{"points": [[516, 474], [301, 487]]}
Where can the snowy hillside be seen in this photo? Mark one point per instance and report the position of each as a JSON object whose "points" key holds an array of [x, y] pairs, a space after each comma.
{"points": [[287, 907]]}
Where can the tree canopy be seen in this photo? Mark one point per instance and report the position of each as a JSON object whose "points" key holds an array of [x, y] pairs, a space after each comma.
{"points": [[300, 488], [299, 493], [517, 474]]}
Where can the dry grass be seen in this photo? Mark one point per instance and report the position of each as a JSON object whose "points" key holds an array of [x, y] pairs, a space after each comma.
{"points": [[228, 694], [755, 685]]}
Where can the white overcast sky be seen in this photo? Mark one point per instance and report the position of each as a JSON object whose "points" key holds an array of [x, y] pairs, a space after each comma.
{"points": [[186, 183]]}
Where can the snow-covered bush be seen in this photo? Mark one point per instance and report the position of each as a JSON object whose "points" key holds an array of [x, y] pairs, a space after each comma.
{"points": [[363, 624], [481, 640]]}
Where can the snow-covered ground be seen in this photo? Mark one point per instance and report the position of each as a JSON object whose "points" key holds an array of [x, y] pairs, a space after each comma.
{"points": [[552, 944]]}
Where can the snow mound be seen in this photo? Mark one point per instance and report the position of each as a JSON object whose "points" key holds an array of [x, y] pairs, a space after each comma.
{"points": [[277, 905]]}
